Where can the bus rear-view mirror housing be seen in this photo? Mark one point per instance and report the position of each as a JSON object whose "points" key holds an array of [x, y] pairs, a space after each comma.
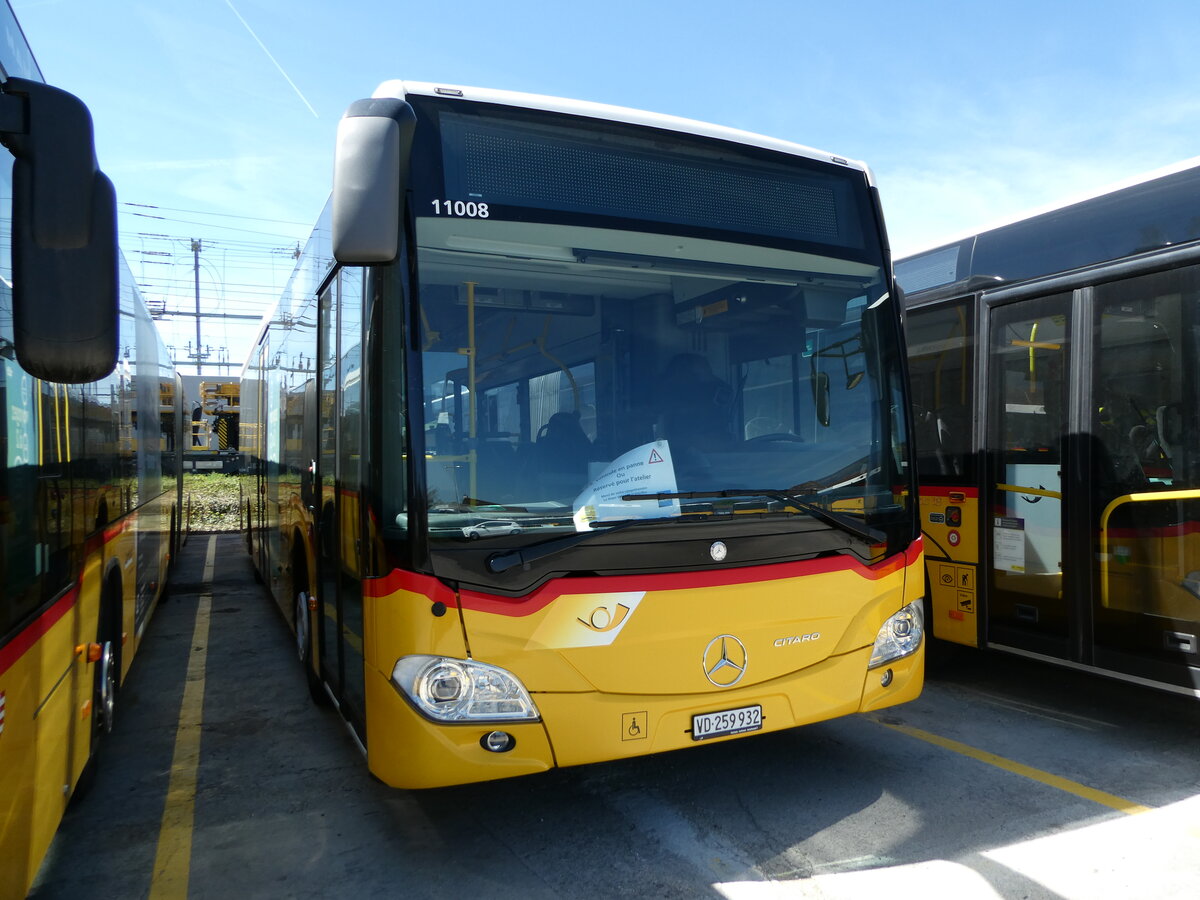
{"points": [[64, 227], [370, 176]]}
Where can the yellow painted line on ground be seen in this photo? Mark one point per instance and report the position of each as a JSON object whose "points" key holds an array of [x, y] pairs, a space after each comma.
{"points": [[172, 862], [1063, 784]]}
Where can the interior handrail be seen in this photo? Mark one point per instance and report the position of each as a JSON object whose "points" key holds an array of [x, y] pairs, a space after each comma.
{"points": [[1141, 497], [1036, 492]]}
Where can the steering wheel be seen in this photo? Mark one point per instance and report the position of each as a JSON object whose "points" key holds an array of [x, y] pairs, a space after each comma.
{"points": [[776, 436]]}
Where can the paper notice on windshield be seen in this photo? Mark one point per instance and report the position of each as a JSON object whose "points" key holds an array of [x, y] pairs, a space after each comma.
{"points": [[644, 470]]}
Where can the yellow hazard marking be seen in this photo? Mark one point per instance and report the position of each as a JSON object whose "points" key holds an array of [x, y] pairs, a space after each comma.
{"points": [[1063, 784], [173, 859]]}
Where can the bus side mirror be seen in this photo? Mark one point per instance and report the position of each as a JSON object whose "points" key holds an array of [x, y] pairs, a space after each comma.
{"points": [[370, 176], [64, 228]]}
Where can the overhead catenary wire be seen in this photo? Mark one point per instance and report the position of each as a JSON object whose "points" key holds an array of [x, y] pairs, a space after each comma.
{"points": [[236, 278], [204, 224], [201, 212]]}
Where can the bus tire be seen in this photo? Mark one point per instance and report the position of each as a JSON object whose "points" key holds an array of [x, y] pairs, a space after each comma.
{"points": [[250, 549], [304, 645], [106, 688], [108, 667], [106, 679]]}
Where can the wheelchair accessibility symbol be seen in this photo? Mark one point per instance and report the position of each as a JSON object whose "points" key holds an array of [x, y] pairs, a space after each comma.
{"points": [[633, 726]]}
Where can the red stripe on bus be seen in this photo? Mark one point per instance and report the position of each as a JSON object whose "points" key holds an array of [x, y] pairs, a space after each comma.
{"points": [[24, 640], [400, 580], [937, 490], [115, 529], [435, 590], [914, 551]]}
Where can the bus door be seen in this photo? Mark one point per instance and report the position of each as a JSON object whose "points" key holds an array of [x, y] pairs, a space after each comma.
{"points": [[351, 508], [1028, 391], [1146, 476], [325, 510], [339, 511], [258, 529], [941, 363]]}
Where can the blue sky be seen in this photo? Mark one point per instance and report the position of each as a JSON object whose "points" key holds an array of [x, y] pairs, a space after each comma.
{"points": [[968, 113]]}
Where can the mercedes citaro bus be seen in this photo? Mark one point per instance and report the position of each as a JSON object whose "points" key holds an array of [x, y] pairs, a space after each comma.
{"points": [[582, 433]]}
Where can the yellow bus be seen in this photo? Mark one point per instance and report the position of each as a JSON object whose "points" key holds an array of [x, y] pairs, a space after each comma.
{"points": [[89, 473], [1054, 364], [582, 433]]}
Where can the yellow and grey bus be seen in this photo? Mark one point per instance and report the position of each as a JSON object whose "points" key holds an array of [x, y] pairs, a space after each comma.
{"points": [[582, 433], [90, 429], [1054, 363]]}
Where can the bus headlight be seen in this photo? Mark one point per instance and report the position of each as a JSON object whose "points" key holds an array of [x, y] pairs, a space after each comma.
{"points": [[899, 636], [462, 690]]}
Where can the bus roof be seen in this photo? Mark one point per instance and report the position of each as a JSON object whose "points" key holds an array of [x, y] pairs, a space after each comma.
{"points": [[401, 89], [1148, 212]]}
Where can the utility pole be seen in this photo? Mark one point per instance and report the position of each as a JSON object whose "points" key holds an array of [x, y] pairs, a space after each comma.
{"points": [[196, 255]]}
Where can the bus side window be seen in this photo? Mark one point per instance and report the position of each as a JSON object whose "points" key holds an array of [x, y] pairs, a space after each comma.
{"points": [[941, 359], [953, 425], [1136, 362]]}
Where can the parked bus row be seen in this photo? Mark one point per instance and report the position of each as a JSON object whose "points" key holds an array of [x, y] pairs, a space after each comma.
{"points": [[583, 433]]}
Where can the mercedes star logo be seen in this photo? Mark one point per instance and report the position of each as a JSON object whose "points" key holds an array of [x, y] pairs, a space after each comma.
{"points": [[725, 660]]}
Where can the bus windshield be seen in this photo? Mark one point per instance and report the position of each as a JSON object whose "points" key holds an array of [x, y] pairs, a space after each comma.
{"points": [[579, 369]]}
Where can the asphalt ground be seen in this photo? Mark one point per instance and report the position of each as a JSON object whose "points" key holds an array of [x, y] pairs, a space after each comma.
{"points": [[1007, 778]]}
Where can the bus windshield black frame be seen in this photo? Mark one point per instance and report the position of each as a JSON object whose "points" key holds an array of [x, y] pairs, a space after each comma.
{"points": [[588, 301]]}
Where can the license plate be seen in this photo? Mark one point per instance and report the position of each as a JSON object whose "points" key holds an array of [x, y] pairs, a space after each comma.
{"points": [[726, 722]]}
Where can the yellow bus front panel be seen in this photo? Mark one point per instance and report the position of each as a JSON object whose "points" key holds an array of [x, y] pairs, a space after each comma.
{"points": [[587, 728], [619, 667], [950, 522]]}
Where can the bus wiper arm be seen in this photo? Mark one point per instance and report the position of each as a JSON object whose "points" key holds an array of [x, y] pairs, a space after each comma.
{"points": [[838, 520], [502, 562]]}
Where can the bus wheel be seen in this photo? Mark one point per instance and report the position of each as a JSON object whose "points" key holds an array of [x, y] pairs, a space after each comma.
{"points": [[106, 689], [104, 704], [304, 645], [108, 666], [302, 628]]}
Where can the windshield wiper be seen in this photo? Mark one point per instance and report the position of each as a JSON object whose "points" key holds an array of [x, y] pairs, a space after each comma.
{"points": [[838, 520], [502, 562], [498, 563]]}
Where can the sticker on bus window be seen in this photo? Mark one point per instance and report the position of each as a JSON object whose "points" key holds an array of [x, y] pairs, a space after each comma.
{"points": [[647, 469], [1008, 544]]}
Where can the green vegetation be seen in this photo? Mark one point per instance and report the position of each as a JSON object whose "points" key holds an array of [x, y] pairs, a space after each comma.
{"points": [[211, 502]]}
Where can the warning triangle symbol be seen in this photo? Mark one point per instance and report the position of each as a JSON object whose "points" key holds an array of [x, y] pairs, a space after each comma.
{"points": [[654, 457]]}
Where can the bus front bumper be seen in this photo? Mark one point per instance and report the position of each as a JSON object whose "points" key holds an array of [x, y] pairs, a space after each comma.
{"points": [[406, 750]]}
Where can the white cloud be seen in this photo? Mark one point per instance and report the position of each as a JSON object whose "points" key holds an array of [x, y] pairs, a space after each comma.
{"points": [[960, 163]]}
